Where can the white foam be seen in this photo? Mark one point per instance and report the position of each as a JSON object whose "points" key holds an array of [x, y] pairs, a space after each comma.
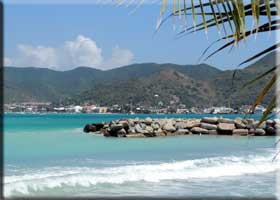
{"points": [[207, 168]]}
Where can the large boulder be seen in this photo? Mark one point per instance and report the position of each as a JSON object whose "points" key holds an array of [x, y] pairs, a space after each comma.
{"points": [[270, 123], [210, 120], [125, 126], [208, 126], [198, 130], [131, 130], [148, 121], [139, 129], [257, 125], [169, 127], [270, 131], [250, 123], [182, 132], [242, 132], [114, 129], [159, 133], [251, 132], [98, 126], [121, 133], [155, 125], [259, 132], [89, 128], [225, 120], [212, 132], [161, 122], [149, 129], [277, 121], [192, 123], [131, 122], [225, 128], [181, 125], [239, 123]]}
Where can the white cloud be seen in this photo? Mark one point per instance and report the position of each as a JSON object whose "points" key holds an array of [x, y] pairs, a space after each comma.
{"points": [[8, 61], [39, 56], [83, 51], [120, 57]]}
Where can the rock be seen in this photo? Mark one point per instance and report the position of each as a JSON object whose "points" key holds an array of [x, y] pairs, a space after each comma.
{"points": [[240, 132], [121, 133], [277, 121], [210, 120], [167, 133], [192, 123], [198, 130], [180, 125], [113, 130], [270, 123], [212, 132], [169, 127], [262, 125], [250, 123], [130, 122], [155, 125], [225, 128], [259, 132], [148, 121], [116, 127], [161, 122], [98, 126], [239, 123], [131, 130], [139, 135], [149, 129], [270, 131], [139, 129], [143, 125], [182, 132], [208, 126], [225, 120], [277, 126], [122, 122], [135, 120], [159, 133], [251, 132], [89, 128], [125, 126], [149, 134]]}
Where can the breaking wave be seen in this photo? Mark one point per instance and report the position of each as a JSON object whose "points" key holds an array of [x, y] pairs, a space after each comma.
{"points": [[207, 168]]}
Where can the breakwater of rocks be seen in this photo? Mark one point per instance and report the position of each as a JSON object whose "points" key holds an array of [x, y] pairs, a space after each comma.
{"points": [[172, 126]]}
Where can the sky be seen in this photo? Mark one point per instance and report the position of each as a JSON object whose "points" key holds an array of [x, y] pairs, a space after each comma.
{"points": [[65, 36]]}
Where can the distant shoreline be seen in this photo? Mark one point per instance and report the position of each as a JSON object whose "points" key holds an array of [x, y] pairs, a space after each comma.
{"points": [[108, 113]]}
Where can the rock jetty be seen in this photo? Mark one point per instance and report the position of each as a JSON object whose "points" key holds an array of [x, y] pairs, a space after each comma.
{"points": [[137, 128]]}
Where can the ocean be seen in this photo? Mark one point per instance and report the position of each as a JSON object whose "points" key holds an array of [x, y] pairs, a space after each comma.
{"points": [[48, 155]]}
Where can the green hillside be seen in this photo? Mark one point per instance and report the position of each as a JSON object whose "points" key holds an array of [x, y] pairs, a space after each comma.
{"points": [[192, 85]]}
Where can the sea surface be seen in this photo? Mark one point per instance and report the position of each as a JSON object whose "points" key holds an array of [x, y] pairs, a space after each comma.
{"points": [[48, 155]]}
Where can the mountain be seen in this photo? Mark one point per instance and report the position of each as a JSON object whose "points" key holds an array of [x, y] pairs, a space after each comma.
{"points": [[192, 85]]}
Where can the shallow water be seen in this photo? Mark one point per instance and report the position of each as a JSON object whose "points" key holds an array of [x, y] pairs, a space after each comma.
{"points": [[49, 155]]}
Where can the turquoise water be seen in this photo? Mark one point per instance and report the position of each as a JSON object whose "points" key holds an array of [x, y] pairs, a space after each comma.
{"points": [[49, 155]]}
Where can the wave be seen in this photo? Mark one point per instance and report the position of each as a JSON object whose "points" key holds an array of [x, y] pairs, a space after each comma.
{"points": [[191, 170]]}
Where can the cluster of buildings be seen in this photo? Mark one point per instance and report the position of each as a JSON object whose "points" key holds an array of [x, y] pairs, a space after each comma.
{"points": [[47, 107]]}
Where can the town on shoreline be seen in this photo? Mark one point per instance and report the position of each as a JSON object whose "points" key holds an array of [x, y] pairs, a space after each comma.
{"points": [[46, 107]]}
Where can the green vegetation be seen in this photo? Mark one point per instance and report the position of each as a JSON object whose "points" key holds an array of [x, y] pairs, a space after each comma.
{"points": [[194, 85]]}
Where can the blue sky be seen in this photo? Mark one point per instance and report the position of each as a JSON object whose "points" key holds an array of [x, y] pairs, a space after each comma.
{"points": [[51, 35]]}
